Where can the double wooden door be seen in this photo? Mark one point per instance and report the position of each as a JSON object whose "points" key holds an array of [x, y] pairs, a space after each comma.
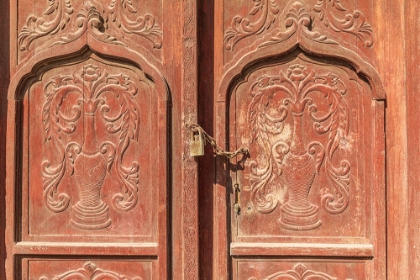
{"points": [[99, 181]]}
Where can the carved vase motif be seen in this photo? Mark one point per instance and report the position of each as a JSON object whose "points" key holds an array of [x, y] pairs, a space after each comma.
{"points": [[299, 173], [293, 98], [89, 161]]}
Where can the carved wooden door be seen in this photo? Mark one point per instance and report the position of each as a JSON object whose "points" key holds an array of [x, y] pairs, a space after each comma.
{"points": [[87, 174], [99, 183], [296, 86]]}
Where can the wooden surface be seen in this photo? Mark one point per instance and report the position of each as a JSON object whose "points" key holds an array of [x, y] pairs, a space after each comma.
{"points": [[199, 61]]}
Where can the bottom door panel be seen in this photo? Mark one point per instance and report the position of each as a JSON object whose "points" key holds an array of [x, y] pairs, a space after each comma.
{"points": [[299, 269], [86, 269]]}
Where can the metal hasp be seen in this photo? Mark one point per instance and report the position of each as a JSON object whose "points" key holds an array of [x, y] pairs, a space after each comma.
{"points": [[199, 138]]}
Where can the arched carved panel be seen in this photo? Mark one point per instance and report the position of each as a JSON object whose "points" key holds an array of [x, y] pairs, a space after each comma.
{"points": [[303, 121], [92, 122]]}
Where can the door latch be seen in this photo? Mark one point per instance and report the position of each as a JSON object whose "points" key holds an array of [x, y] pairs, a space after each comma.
{"points": [[236, 207], [199, 138]]}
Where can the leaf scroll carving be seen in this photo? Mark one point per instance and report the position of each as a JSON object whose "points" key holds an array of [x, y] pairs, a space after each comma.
{"points": [[354, 23], [37, 27], [144, 26], [92, 18], [297, 18], [293, 162], [243, 27]]}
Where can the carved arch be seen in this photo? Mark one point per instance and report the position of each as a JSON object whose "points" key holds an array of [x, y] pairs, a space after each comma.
{"points": [[310, 47], [84, 44]]}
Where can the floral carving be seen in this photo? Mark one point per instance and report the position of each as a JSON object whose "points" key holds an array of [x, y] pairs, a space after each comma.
{"points": [[244, 27], [37, 27], [297, 18], [353, 23], [290, 98], [90, 271], [91, 91], [299, 272], [143, 26], [93, 18]]}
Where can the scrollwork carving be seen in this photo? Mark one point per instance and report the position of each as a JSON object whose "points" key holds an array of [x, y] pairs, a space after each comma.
{"points": [[291, 97], [37, 27], [144, 26], [354, 23], [92, 18], [243, 27], [93, 89], [297, 18]]}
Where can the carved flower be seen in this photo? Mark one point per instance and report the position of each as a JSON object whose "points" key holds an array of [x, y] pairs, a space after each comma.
{"points": [[91, 73], [296, 72]]}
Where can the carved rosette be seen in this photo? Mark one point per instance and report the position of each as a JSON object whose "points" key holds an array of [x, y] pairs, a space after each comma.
{"points": [[265, 18], [293, 98], [92, 18], [299, 272], [92, 90]]}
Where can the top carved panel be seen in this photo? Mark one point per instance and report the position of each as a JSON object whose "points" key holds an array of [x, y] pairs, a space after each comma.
{"points": [[279, 22], [69, 23]]}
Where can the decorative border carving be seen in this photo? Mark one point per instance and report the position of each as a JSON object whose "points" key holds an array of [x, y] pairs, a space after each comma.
{"points": [[90, 271], [299, 272], [93, 18], [190, 192], [297, 18]]}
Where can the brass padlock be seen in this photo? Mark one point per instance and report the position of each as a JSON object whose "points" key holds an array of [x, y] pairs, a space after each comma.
{"points": [[197, 144]]}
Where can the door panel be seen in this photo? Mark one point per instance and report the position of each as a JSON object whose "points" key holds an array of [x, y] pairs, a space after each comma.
{"points": [[302, 269], [45, 269]]}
